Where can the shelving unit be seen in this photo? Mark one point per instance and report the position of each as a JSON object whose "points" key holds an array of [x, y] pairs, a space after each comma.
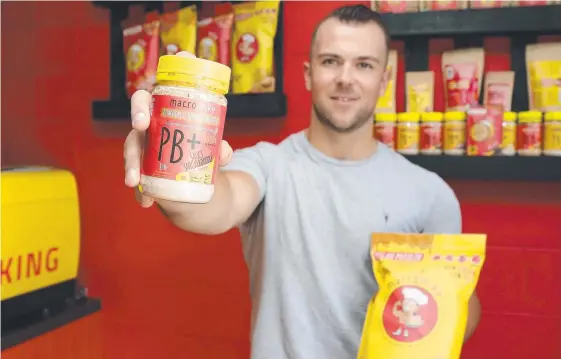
{"points": [[467, 28], [117, 107], [493, 21], [515, 168]]}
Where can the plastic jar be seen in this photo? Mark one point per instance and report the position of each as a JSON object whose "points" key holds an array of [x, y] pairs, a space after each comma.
{"points": [[508, 144], [455, 133], [529, 137], [408, 136], [187, 116], [552, 134], [384, 128], [431, 133]]}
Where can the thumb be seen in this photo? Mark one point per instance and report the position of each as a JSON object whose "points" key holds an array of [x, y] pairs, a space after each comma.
{"points": [[225, 153]]}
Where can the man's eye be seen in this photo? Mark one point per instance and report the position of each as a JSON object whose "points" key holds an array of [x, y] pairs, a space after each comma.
{"points": [[365, 65], [329, 62]]}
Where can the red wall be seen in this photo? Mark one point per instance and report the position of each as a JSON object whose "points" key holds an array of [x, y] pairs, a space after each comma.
{"points": [[170, 294]]}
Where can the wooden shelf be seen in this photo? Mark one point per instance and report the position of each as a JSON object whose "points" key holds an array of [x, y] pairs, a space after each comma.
{"points": [[499, 168], [494, 21], [265, 105]]}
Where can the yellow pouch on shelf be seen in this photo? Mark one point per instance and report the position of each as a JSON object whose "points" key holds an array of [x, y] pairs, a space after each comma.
{"points": [[255, 28], [421, 308]]}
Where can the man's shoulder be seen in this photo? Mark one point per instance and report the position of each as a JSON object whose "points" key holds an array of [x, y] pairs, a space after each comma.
{"points": [[405, 167], [417, 176]]}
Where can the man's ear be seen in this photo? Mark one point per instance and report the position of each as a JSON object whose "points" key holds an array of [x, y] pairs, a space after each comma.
{"points": [[307, 76]]}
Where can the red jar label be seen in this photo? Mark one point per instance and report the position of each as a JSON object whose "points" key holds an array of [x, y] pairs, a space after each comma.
{"points": [[431, 137], [529, 136], [385, 134], [183, 140]]}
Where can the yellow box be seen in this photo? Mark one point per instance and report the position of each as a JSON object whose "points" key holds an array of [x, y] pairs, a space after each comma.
{"points": [[40, 229]]}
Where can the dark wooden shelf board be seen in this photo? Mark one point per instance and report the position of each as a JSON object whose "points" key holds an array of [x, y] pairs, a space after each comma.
{"points": [[499, 168], [71, 313], [508, 20], [266, 105]]}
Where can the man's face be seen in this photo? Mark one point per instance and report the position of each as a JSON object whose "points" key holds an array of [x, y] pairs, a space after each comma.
{"points": [[346, 73]]}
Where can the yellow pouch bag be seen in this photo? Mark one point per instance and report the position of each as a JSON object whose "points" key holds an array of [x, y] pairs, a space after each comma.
{"points": [[178, 30], [255, 28], [421, 308]]}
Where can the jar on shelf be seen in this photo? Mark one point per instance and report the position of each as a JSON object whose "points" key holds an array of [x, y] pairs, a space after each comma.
{"points": [[431, 133], [408, 136], [529, 138], [552, 134], [508, 144], [385, 128], [454, 133]]}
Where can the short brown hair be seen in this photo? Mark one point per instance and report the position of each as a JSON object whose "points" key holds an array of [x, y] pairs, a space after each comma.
{"points": [[355, 14]]}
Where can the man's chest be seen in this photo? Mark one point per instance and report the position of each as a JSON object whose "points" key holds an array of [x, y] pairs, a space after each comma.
{"points": [[345, 204]]}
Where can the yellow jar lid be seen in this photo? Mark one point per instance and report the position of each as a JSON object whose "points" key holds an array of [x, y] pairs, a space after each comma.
{"points": [[455, 116], [194, 70], [386, 117], [408, 117], [553, 116], [431, 116], [509, 117], [529, 116]]}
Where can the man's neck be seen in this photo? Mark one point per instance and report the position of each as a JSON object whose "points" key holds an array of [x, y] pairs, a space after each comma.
{"points": [[354, 146]]}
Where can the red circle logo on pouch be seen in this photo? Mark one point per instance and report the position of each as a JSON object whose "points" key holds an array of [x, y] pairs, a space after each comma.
{"points": [[247, 47], [410, 314]]}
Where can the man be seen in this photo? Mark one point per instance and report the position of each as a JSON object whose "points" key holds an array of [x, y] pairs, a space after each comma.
{"points": [[306, 207]]}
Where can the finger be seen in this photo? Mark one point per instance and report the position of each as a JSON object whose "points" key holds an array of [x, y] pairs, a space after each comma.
{"points": [[143, 200], [132, 153], [225, 153], [185, 54], [140, 110]]}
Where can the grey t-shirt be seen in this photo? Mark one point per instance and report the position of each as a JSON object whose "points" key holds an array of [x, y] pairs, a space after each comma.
{"points": [[307, 244]]}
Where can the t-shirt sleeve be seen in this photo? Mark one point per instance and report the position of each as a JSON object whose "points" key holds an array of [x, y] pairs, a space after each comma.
{"points": [[254, 161], [444, 215]]}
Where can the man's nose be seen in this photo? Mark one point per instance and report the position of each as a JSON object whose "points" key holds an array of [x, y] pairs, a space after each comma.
{"points": [[345, 76]]}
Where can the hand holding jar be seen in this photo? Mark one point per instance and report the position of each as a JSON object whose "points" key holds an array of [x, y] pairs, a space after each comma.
{"points": [[175, 146]]}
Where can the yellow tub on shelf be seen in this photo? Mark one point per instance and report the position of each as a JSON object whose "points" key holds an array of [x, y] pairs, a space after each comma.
{"points": [[40, 237]]}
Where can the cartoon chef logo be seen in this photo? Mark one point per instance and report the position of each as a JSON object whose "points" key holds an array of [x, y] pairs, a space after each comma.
{"points": [[410, 314], [247, 47], [135, 57], [207, 49]]}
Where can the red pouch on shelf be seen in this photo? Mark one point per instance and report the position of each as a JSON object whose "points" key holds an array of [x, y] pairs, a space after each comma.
{"points": [[499, 86], [213, 38], [141, 46], [462, 71], [484, 131]]}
